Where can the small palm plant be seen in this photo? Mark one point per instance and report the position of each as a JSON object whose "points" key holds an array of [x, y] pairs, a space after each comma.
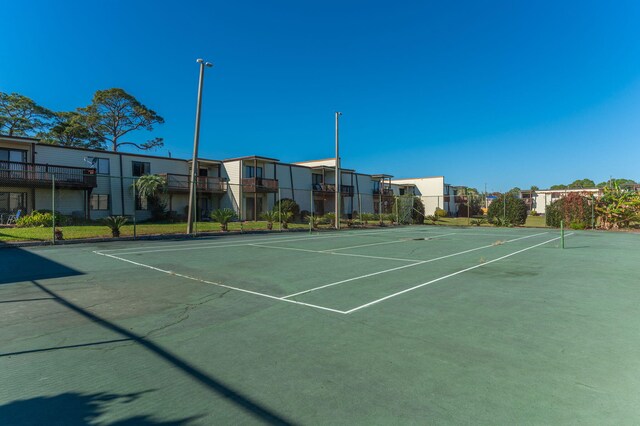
{"points": [[270, 216], [223, 217], [115, 223], [284, 218]]}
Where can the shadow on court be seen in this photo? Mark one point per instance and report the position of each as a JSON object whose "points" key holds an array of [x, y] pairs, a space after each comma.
{"points": [[75, 409], [253, 408], [17, 265]]}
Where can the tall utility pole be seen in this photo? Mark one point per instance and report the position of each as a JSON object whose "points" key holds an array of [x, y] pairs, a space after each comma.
{"points": [[196, 140], [338, 183]]}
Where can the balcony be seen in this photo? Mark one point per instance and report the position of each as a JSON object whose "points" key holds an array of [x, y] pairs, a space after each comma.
{"points": [[385, 192], [42, 176], [256, 184], [324, 187], [204, 184], [346, 190], [330, 188]]}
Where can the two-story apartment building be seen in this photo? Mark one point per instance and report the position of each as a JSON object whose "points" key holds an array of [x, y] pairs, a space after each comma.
{"points": [[93, 184]]}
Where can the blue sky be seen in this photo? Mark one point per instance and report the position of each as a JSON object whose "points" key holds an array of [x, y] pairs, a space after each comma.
{"points": [[498, 92]]}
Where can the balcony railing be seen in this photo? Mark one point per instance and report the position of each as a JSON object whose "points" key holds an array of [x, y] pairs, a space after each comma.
{"points": [[180, 183], [331, 188], [256, 184], [385, 192], [346, 190], [42, 175], [324, 187]]}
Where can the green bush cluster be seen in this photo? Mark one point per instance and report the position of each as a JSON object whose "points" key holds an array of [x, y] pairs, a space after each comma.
{"points": [[440, 212], [417, 213], [40, 219], [287, 205], [574, 210], [514, 213]]}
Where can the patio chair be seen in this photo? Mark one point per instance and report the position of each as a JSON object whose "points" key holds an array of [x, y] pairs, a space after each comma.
{"points": [[14, 218]]}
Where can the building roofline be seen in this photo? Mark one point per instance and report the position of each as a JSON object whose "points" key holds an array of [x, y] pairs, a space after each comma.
{"points": [[104, 151], [313, 161], [252, 157], [20, 138], [569, 189], [418, 178]]}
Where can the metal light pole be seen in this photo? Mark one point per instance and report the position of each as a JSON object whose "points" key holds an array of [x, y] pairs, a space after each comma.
{"points": [[338, 185], [196, 139]]}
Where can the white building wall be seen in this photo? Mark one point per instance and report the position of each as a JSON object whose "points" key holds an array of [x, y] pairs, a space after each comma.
{"points": [[232, 200], [430, 190]]}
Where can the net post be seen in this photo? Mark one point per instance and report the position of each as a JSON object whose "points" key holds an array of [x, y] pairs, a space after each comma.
{"points": [[562, 233], [311, 214], [53, 208], [279, 210], [593, 201], [134, 209], [396, 207]]}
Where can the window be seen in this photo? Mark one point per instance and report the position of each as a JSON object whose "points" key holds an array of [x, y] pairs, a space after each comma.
{"points": [[101, 165], [249, 171], [13, 155], [376, 186], [99, 202], [11, 202], [316, 179], [140, 168]]}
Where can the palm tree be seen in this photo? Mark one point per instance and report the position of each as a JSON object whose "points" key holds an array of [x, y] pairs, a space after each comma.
{"points": [[153, 188], [223, 216], [115, 223], [270, 216], [285, 218]]}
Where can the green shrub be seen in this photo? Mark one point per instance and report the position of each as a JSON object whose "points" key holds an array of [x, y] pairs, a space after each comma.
{"points": [[284, 217], [270, 217], [478, 222], [223, 217], [417, 213], [114, 223], [39, 219], [574, 209], [287, 205], [514, 214], [366, 217], [440, 212]]}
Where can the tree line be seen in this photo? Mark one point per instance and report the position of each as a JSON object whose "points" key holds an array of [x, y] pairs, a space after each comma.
{"points": [[103, 124]]}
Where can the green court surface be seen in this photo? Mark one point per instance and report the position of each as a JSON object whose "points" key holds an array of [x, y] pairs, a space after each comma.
{"points": [[405, 325]]}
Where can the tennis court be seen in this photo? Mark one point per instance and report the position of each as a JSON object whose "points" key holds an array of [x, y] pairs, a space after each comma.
{"points": [[414, 324]]}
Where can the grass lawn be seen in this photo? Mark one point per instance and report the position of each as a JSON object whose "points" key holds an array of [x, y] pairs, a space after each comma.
{"points": [[532, 222], [101, 231]]}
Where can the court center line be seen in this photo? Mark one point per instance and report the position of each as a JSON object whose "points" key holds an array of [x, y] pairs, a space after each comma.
{"points": [[378, 244], [336, 254], [418, 262], [255, 293], [223, 244], [451, 275]]}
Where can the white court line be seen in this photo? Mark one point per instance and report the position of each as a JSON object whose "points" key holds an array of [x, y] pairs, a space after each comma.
{"points": [[268, 296], [336, 254], [451, 275], [222, 244], [378, 244], [421, 262]]}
